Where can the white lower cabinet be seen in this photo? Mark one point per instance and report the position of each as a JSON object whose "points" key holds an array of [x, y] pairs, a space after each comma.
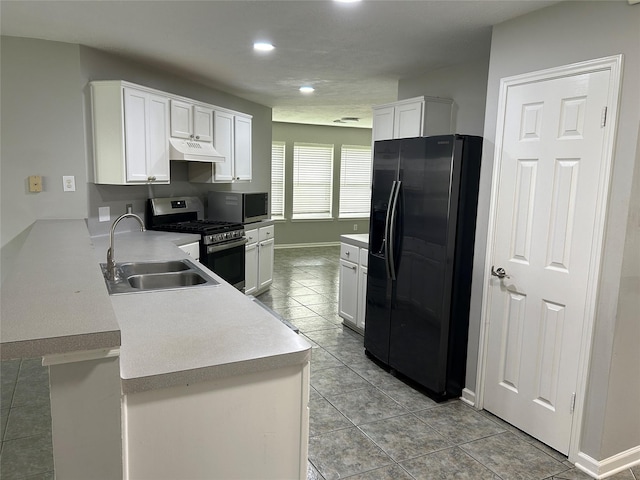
{"points": [[192, 249], [259, 259], [352, 295], [253, 426], [348, 293]]}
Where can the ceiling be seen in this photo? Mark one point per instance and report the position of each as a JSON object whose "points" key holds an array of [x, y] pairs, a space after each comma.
{"points": [[353, 54]]}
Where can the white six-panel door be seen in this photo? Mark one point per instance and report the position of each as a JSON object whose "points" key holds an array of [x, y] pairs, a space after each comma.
{"points": [[544, 219]]}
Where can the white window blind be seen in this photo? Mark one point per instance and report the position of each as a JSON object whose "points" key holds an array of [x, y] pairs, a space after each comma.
{"points": [[355, 181], [277, 179], [312, 180]]}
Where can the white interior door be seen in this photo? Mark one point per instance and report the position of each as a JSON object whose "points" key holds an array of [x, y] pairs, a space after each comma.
{"points": [[543, 237]]}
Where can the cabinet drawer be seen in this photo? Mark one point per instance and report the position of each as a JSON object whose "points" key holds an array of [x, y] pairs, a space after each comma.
{"points": [[364, 257], [265, 233], [252, 235], [349, 252]]}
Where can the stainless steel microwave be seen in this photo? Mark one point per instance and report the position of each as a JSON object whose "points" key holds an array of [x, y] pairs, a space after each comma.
{"points": [[238, 206]]}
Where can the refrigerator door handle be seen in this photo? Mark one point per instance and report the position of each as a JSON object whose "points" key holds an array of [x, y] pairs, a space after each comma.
{"points": [[385, 240], [392, 232]]}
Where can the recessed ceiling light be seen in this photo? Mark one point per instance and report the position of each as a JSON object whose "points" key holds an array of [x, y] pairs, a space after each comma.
{"points": [[347, 1], [263, 46], [307, 89]]}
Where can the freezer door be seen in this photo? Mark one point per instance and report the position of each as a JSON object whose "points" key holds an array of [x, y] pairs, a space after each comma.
{"points": [[419, 319], [379, 285]]}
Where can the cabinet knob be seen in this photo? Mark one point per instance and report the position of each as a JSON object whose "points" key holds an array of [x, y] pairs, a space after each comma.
{"points": [[347, 253], [151, 179], [197, 137]]}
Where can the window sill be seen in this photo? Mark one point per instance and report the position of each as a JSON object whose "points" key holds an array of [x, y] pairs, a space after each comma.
{"points": [[354, 217], [305, 218]]}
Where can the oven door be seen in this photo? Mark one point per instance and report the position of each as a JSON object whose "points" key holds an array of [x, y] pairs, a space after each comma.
{"points": [[226, 260]]}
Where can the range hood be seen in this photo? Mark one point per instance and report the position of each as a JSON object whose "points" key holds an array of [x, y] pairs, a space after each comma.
{"points": [[193, 151]]}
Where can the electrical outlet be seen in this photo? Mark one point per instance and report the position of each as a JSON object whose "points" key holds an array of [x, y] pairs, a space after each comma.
{"points": [[355, 227], [104, 214], [68, 183]]}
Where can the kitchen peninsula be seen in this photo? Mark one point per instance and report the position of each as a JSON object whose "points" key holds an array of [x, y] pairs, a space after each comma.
{"points": [[191, 383]]}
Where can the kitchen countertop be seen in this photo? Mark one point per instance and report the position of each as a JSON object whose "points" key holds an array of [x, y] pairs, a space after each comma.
{"points": [[260, 224], [167, 338], [54, 299], [359, 240]]}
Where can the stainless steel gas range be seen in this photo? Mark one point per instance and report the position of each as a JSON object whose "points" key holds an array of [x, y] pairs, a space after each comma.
{"points": [[221, 243]]}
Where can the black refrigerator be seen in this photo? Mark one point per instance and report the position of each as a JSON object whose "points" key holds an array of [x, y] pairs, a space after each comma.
{"points": [[421, 238]]}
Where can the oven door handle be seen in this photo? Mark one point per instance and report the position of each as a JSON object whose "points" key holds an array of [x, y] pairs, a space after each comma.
{"points": [[225, 246]]}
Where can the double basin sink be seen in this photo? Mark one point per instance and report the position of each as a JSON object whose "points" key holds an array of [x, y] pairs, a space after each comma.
{"points": [[137, 277]]}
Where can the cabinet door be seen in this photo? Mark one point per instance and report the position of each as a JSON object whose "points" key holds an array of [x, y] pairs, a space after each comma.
{"points": [[242, 142], [181, 119], [362, 297], [408, 120], [383, 123], [437, 118], [348, 292], [192, 249], [265, 263], [135, 137], [203, 123], [146, 119], [251, 269], [223, 142], [158, 139]]}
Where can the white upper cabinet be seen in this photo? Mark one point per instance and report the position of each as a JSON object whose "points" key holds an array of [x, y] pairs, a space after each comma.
{"points": [[203, 123], [414, 117], [242, 146], [223, 141], [383, 120], [408, 120], [130, 134], [132, 126], [192, 122], [232, 139]]}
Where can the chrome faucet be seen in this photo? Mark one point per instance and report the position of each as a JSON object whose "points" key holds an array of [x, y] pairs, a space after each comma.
{"points": [[112, 271]]}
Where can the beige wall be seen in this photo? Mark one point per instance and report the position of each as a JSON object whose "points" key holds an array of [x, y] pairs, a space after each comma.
{"points": [[316, 231], [563, 34]]}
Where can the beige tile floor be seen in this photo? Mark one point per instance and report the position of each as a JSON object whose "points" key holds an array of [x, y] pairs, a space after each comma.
{"points": [[364, 423]]}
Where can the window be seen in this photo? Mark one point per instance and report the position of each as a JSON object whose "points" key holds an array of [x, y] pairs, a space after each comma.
{"points": [[312, 180], [277, 179], [355, 181]]}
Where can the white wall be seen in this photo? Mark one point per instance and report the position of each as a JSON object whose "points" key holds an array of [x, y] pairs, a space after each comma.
{"points": [[566, 33]]}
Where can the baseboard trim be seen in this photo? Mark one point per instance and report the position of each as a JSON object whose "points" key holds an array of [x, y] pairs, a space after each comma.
{"points": [[468, 397], [307, 245], [609, 466]]}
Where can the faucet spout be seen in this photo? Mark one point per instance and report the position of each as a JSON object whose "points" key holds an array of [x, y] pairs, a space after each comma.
{"points": [[112, 271]]}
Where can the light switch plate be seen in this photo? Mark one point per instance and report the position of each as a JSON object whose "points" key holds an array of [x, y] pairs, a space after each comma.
{"points": [[69, 183]]}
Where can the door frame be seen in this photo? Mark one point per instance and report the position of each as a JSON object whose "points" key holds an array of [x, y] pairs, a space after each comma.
{"points": [[614, 65]]}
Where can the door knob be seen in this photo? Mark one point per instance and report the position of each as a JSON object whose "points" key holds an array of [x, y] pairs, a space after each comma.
{"points": [[500, 273]]}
